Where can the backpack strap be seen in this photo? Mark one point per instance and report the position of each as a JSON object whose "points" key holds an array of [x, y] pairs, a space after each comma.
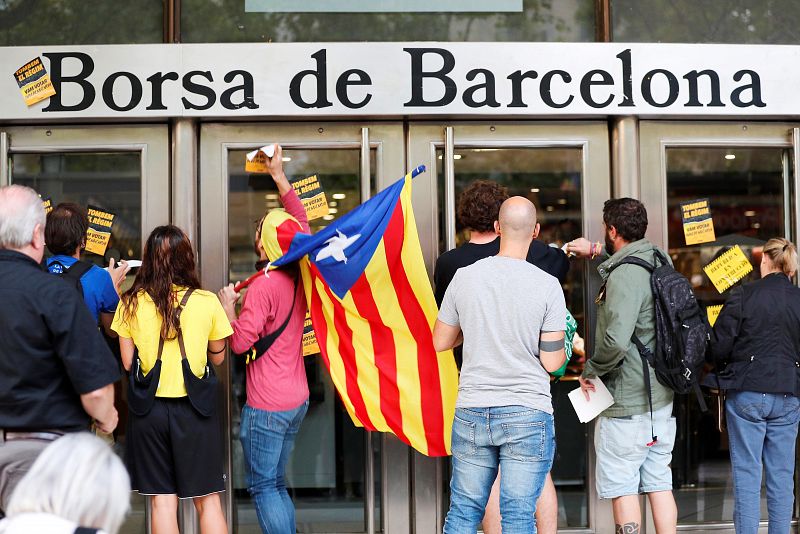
{"points": [[262, 345], [178, 313], [78, 269]]}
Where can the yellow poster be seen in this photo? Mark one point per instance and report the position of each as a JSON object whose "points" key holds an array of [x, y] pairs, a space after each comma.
{"points": [[728, 269], [47, 204], [256, 161], [310, 345], [34, 82], [99, 232], [312, 196], [698, 226], [713, 313]]}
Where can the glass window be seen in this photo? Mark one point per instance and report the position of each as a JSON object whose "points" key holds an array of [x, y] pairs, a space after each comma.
{"points": [[707, 21], [552, 179], [748, 193], [326, 475], [540, 21], [65, 22]]}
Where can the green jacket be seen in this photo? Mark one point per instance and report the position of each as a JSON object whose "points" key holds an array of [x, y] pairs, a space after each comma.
{"points": [[626, 308]]}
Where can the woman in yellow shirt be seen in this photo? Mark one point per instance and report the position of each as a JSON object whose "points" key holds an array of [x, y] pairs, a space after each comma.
{"points": [[173, 451]]}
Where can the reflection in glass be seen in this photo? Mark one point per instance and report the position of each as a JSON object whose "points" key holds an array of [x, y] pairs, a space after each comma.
{"points": [[552, 179], [541, 21], [326, 473], [70, 22], [720, 21], [112, 181], [747, 190]]}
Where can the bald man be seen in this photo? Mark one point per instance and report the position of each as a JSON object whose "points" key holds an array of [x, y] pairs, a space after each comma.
{"points": [[510, 317]]}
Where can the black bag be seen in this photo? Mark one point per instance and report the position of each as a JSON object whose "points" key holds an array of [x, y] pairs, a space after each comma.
{"points": [[72, 274], [142, 388], [682, 331], [263, 344]]}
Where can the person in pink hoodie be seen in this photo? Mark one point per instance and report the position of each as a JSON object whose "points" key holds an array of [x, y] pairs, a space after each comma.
{"points": [[277, 389]]}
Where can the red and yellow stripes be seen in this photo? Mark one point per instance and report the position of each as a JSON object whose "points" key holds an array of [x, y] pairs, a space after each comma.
{"points": [[377, 342]]}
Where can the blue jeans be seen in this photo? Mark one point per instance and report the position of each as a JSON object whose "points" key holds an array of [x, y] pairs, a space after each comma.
{"points": [[267, 440], [762, 429], [522, 441]]}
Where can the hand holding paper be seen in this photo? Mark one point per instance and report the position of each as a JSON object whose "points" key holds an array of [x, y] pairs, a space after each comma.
{"points": [[592, 402]]}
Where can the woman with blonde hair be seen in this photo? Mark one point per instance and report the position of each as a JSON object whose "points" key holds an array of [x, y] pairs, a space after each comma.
{"points": [[758, 338], [174, 444], [76, 485]]}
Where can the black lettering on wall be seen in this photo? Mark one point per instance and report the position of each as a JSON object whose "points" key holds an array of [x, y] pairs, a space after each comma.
{"points": [[58, 78], [545, 92], [197, 89], [694, 97], [647, 92], [344, 81], [754, 87], [156, 83], [108, 91], [627, 79], [488, 88], [516, 87], [418, 76], [320, 75], [588, 81], [246, 87]]}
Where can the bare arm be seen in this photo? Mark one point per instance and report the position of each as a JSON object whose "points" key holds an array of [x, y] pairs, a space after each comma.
{"points": [[552, 358], [446, 337], [126, 348], [216, 351], [105, 320], [99, 404]]}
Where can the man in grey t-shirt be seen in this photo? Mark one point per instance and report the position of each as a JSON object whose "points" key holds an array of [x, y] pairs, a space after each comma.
{"points": [[511, 318]]}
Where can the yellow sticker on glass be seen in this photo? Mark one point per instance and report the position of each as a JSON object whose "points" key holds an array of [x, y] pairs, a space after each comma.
{"points": [[728, 269]]}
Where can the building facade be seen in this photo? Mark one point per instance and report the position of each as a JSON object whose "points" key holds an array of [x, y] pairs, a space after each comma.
{"points": [[567, 102]]}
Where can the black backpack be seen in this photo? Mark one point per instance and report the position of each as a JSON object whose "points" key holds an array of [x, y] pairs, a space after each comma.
{"points": [[72, 274], [682, 330]]}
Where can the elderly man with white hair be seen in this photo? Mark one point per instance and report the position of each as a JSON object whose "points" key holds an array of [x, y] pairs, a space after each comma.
{"points": [[56, 371]]}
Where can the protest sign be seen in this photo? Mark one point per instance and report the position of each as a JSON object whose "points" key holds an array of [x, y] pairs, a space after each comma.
{"points": [[256, 161], [47, 204], [698, 226], [728, 269], [713, 312], [312, 196], [310, 345], [34, 82], [99, 232]]}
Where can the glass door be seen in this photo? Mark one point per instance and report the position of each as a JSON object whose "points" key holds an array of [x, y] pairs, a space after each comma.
{"points": [[124, 170], [746, 172], [337, 476], [563, 169]]}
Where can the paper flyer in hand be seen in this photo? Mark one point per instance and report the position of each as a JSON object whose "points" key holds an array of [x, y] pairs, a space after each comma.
{"points": [[728, 269], [256, 161], [599, 401], [99, 232]]}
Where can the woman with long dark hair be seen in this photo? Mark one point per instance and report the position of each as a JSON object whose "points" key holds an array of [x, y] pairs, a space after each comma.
{"points": [[758, 338], [174, 444]]}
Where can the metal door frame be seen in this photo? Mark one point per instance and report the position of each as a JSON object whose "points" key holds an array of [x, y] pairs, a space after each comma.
{"points": [[654, 139], [424, 139], [216, 140]]}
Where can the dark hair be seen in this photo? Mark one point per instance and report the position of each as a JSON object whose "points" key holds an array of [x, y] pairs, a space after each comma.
{"points": [[479, 205], [628, 216], [168, 261], [66, 228]]}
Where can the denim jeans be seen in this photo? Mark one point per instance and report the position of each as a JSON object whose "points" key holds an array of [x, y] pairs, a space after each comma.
{"points": [[522, 441], [762, 429], [267, 440]]}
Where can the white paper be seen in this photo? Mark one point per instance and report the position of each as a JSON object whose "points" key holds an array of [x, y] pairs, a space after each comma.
{"points": [[269, 150], [134, 263], [599, 400]]}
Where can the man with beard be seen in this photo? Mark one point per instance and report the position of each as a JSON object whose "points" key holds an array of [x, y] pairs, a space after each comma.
{"points": [[630, 459]]}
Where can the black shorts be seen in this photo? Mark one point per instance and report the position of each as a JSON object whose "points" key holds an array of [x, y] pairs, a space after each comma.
{"points": [[175, 450]]}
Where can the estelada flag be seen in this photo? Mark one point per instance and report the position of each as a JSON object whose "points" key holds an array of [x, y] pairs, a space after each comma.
{"points": [[373, 310]]}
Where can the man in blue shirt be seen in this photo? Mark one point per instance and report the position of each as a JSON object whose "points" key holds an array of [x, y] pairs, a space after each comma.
{"points": [[65, 235]]}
